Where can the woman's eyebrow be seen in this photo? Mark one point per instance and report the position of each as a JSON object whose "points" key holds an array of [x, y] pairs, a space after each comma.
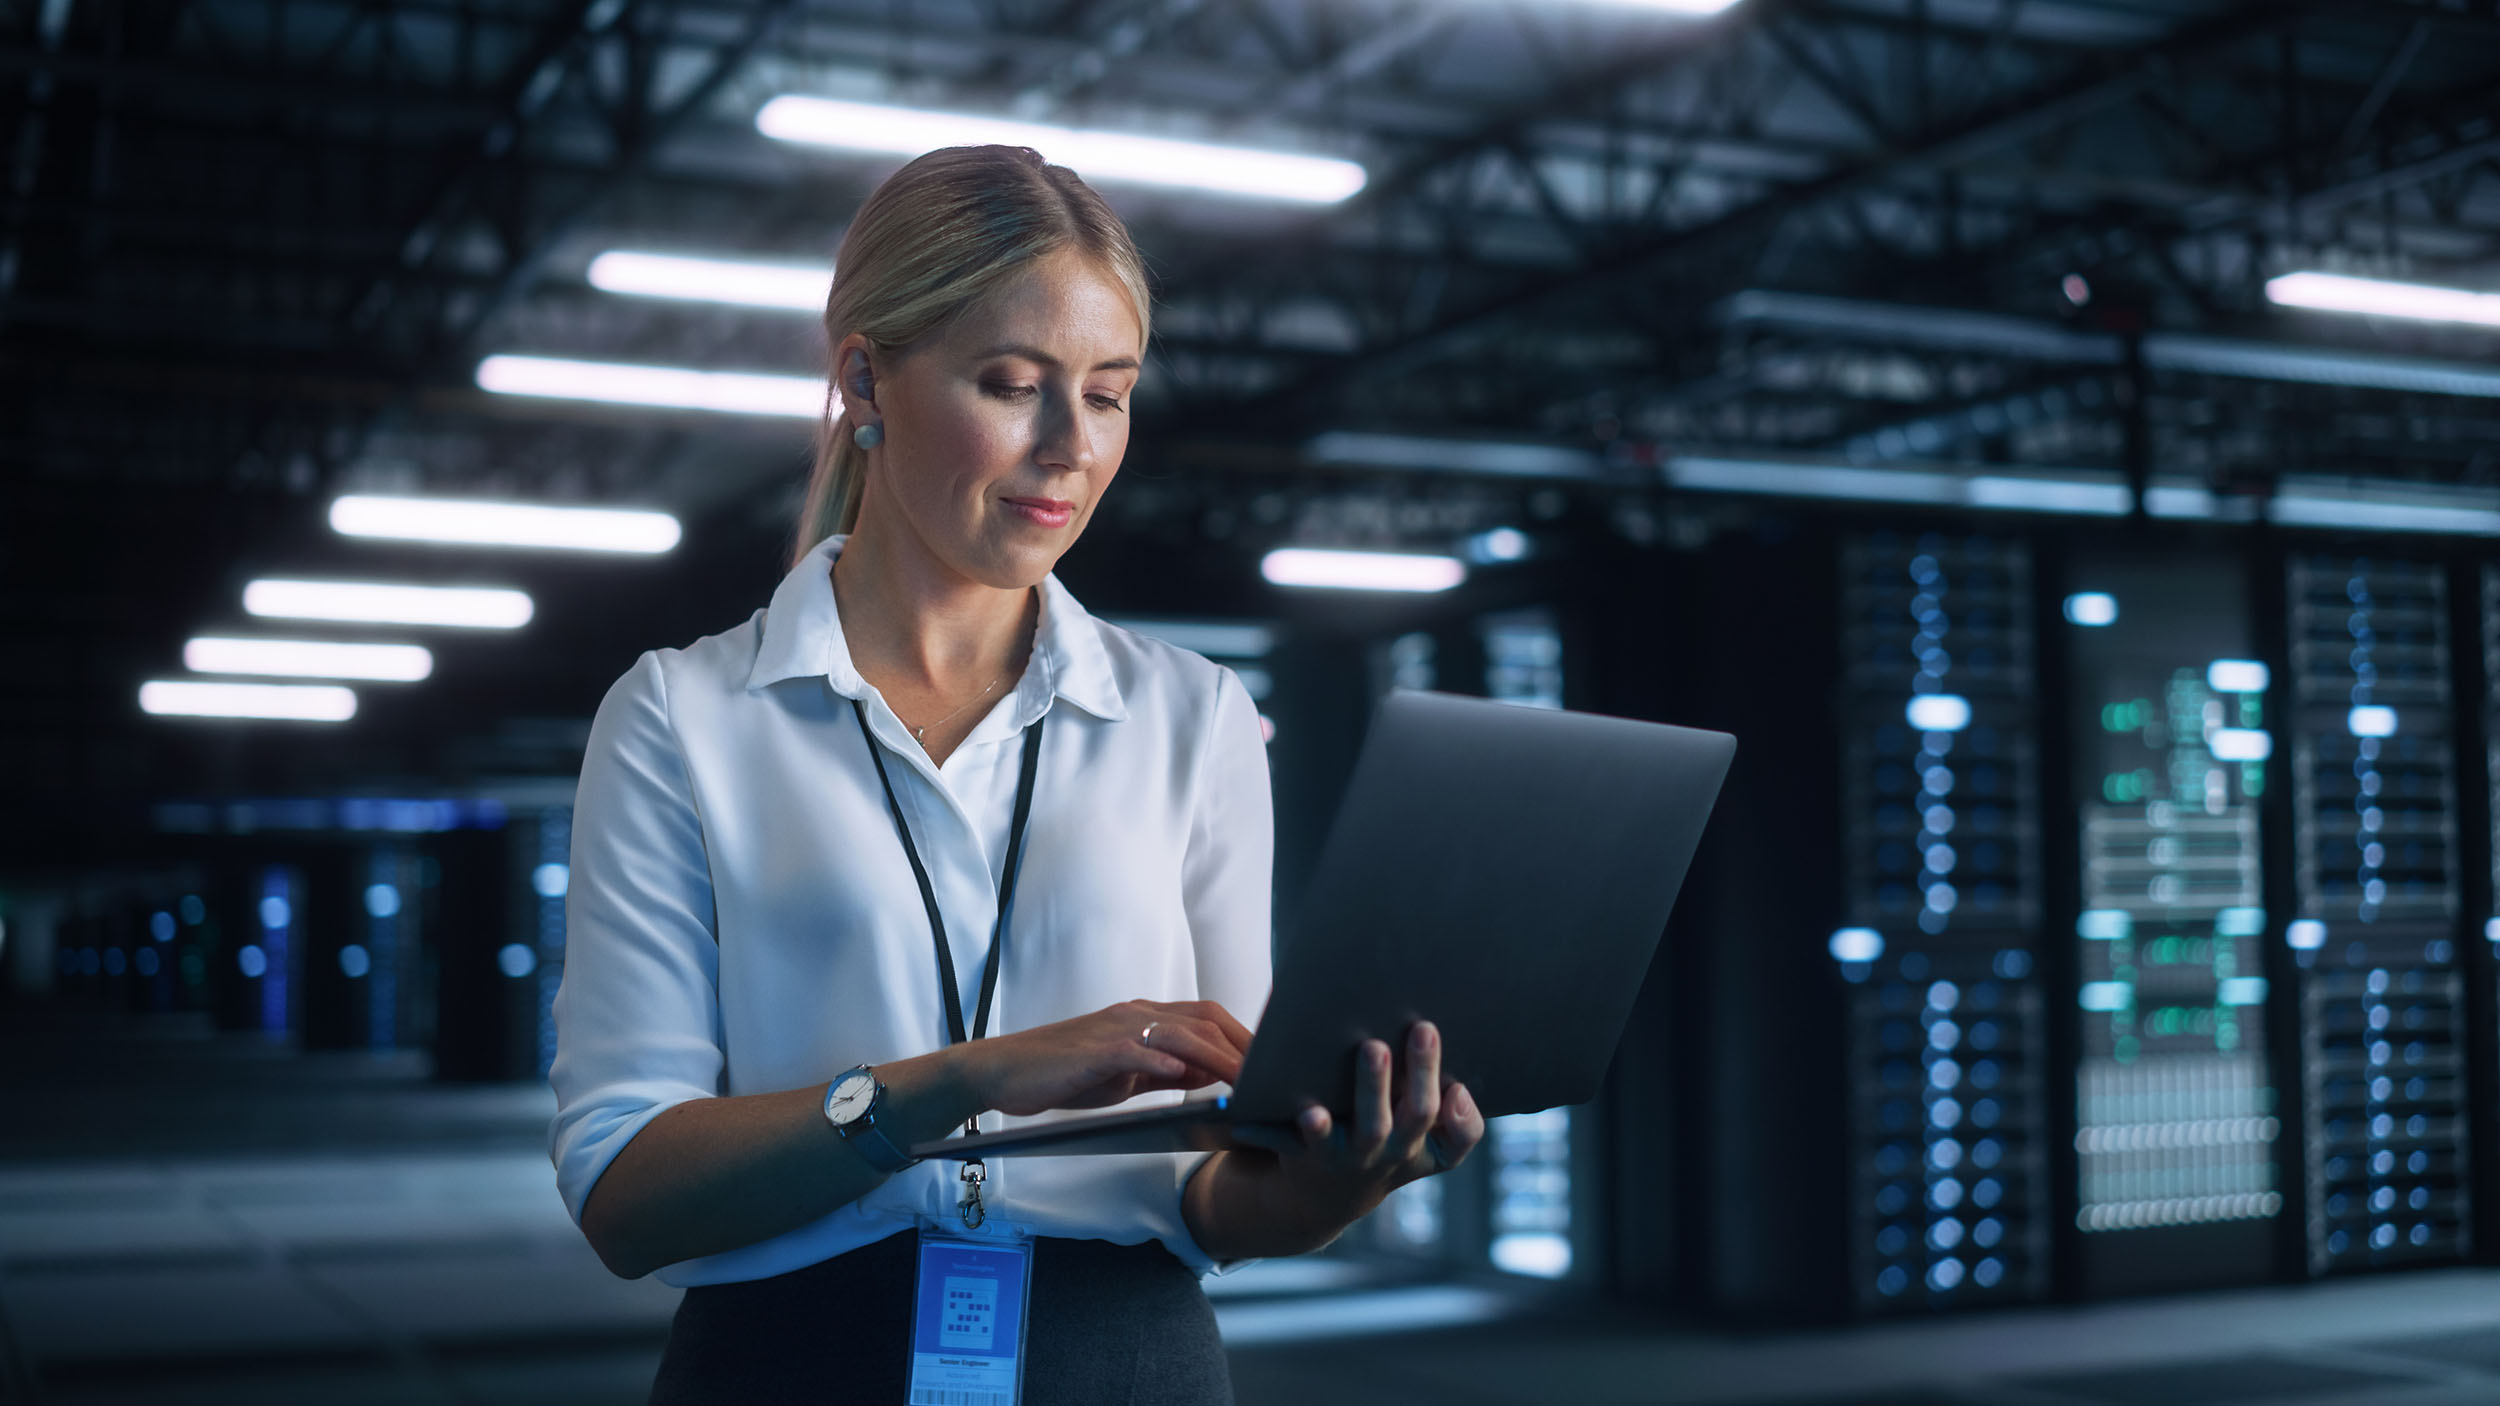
{"points": [[1117, 363]]}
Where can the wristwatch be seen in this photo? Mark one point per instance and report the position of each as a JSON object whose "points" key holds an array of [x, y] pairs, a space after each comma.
{"points": [[851, 1104]]}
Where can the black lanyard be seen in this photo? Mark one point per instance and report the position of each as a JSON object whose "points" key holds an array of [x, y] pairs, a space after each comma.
{"points": [[972, 1173], [928, 896]]}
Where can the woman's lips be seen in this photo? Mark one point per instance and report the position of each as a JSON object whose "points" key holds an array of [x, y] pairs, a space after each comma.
{"points": [[1043, 512]]}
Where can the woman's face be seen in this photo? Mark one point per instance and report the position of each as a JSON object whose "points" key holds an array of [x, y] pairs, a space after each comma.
{"points": [[1003, 432]]}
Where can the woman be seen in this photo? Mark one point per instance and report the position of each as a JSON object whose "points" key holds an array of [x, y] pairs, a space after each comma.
{"points": [[924, 733]]}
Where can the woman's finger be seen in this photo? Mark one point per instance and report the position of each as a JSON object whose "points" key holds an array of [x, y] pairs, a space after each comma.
{"points": [[1461, 1127], [1419, 1096], [1219, 1022], [1369, 1134], [1131, 1056], [1314, 1125], [1198, 1042]]}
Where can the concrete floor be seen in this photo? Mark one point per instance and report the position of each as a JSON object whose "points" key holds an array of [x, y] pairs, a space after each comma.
{"points": [[195, 1220]]}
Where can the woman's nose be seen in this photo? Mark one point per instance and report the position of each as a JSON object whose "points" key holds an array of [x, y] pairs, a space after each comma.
{"points": [[1066, 440]]}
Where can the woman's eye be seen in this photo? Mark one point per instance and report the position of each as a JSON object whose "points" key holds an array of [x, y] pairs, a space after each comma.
{"points": [[1008, 392], [1106, 402]]}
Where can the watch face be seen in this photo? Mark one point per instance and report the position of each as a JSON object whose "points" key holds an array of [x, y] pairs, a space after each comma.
{"points": [[848, 1101]]}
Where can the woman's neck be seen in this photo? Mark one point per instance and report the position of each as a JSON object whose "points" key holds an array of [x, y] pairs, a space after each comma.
{"points": [[910, 620]]}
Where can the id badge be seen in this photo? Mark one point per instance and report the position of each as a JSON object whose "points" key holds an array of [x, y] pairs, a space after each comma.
{"points": [[968, 1318]]}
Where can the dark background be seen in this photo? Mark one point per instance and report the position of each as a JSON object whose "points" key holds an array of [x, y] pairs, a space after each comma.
{"points": [[1795, 297]]}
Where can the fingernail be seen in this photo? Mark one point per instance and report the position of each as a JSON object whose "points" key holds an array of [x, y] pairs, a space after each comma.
{"points": [[1426, 1035]]}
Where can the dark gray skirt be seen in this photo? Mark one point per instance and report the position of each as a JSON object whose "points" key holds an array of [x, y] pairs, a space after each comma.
{"points": [[1108, 1324]]}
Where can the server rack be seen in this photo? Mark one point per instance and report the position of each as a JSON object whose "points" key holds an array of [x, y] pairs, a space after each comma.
{"points": [[1947, 1055], [2479, 713], [1856, 959], [2382, 996], [2177, 1113]]}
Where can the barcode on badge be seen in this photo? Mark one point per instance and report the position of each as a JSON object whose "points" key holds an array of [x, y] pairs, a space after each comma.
{"points": [[949, 1396]]}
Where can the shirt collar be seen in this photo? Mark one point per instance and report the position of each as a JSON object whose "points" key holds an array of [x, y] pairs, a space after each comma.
{"points": [[803, 639]]}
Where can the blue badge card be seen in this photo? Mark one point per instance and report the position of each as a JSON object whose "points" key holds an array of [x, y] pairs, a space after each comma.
{"points": [[967, 1323]]}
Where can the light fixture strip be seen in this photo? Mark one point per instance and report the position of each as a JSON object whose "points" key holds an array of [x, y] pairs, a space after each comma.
{"points": [[1106, 156], [323, 703], [309, 659], [2380, 297], [480, 523], [662, 387], [1326, 569], [369, 602], [737, 282]]}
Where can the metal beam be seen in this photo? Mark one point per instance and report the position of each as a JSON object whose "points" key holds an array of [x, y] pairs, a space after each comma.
{"points": [[2098, 87]]}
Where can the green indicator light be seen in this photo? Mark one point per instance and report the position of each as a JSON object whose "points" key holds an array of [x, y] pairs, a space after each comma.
{"points": [[2126, 1049]]}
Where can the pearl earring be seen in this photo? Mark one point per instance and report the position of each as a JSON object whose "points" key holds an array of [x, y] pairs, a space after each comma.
{"points": [[868, 436]]}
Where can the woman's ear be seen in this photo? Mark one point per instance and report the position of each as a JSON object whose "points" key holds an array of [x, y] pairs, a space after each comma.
{"points": [[857, 379]]}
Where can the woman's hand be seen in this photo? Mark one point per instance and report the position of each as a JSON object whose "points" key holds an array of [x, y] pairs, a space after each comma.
{"points": [[1094, 1061], [1337, 1175]]}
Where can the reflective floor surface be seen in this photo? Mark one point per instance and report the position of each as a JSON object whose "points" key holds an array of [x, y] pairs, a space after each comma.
{"points": [[190, 1220]]}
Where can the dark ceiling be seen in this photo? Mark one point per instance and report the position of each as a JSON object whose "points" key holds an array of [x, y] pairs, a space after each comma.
{"points": [[253, 250]]}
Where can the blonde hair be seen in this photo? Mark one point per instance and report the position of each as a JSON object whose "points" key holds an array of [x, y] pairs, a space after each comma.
{"points": [[932, 241]]}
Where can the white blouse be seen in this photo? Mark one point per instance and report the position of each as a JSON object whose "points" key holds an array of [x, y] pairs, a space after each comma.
{"points": [[741, 917]]}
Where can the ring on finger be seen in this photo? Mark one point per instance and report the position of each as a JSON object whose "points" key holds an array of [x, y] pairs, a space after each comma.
{"points": [[1147, 1036]]}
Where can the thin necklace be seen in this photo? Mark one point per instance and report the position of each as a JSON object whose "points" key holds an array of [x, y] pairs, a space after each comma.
{"points": [[920, 734]]}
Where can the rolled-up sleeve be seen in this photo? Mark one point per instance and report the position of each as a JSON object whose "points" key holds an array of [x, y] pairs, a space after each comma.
{"points": [[637, 1013], [1227, 884]]}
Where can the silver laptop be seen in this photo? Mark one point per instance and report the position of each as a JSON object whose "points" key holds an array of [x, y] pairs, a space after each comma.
{"points": [[1502, 871]]}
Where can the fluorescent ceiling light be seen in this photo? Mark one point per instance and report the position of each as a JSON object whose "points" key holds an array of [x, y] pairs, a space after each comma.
{"points": [[740, 282], [2195, 502], [1474, 456], [1361, 571], [2387, 510], [668, 387], [470, 607], [2043, 495], [2087, 493], [470, 522], [321, 703], [308, 659], [2275, 361], [2092, 608], [1095, 155], [1957, 328], [2335, 292]]}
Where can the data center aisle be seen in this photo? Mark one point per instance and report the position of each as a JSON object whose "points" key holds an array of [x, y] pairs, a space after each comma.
{"points": [[186, 1219]]}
